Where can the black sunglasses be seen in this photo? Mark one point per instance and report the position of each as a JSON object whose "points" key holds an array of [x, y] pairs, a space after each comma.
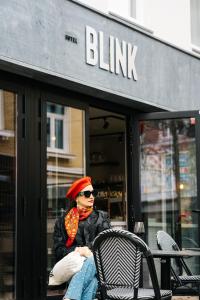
{"points": [[88, 193]]}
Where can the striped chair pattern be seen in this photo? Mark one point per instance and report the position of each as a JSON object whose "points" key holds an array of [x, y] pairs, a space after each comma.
{"points": [[118, 256], [181, 274]]}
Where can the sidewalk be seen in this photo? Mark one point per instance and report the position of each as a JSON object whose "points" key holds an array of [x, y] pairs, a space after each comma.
{"points": [[185, 298]]}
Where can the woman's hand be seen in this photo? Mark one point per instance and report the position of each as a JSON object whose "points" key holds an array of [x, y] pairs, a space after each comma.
{"points": [[83, 251]]}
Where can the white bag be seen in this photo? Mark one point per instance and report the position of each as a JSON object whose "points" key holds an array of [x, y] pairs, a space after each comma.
{"points": [[66, 268]]}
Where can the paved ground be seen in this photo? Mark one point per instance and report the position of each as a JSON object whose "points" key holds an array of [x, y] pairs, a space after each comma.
{"points": [[185, 297]]}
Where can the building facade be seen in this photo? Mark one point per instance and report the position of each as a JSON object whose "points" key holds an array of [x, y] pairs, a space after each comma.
{"points": [[99, 91]]}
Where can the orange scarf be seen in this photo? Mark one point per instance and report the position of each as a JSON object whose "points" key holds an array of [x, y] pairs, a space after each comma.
{"points": [[72, 220]]}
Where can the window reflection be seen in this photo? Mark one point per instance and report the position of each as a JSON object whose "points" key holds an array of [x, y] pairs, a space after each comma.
{"points": [[7, 193], [65, 162], [168, 179], [57, 133]]}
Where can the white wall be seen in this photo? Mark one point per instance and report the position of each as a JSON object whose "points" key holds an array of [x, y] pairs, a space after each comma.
{"points": [[118, 6], [169, 19]]}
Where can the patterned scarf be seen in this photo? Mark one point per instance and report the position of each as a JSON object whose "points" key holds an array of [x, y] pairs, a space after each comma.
{"points": [[72, 220]]}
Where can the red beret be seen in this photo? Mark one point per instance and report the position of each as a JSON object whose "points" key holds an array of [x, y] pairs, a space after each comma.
{"points": [[77, 186]]}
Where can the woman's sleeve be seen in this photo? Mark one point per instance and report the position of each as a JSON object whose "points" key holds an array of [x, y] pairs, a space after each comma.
{"points": [[59, 238]]}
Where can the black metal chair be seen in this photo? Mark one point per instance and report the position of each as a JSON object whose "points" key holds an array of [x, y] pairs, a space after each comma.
{"points": [[118, 256], [181, 274]]}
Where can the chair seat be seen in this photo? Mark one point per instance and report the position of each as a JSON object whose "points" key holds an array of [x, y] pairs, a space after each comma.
{"points": [[127, 294], [190, 278]]}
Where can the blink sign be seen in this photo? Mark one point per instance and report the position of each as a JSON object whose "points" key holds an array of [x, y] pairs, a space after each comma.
{"points": [[120, 54]]}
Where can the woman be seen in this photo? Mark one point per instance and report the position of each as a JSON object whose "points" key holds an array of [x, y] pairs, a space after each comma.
{"points": [[75, 231]]}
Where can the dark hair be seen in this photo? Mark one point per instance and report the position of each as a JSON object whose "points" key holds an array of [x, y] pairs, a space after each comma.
{"points": [[72, 204]]}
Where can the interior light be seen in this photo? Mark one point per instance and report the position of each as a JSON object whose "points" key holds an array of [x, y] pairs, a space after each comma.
{"points": [[53, 138], [181, 186]]}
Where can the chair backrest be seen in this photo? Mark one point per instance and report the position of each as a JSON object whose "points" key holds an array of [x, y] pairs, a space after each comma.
{"points": [[167, 243], [118, 255]]}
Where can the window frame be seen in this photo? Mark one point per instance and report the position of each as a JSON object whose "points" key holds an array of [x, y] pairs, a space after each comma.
{"points": [[66, 134]]}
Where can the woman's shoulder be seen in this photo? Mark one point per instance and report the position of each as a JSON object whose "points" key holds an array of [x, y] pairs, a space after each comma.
{"points": [[101, 213], [103, 220]]}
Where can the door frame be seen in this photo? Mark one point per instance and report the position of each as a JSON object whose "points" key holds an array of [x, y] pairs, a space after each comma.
{"points": [[22, 263]]}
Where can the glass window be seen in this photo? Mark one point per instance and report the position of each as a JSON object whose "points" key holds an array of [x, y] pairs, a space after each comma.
{"points": [[1, 110], [55, 109], [57, 133], [108, 163], [168, 180], [7, 193], [195, 22], [62, 170]]}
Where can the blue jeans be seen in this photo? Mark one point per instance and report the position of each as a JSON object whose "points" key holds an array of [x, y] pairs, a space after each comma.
{"points": [[83, 285]]}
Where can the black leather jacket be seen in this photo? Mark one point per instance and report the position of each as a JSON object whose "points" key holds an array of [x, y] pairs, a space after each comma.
{"points": [[88, 229]]}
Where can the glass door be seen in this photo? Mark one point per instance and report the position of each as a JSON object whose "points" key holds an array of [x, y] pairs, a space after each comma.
{"points": [[169, 175], [65, 163], [8, 102]]}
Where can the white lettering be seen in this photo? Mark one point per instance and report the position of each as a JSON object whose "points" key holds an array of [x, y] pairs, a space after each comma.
{"points": [[91, 46], [102, 64], [112, 56], [132, 50], [121, 55], [121, 59]]}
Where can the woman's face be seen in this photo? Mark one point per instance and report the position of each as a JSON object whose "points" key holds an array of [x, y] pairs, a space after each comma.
{"points": [[83, 200]]}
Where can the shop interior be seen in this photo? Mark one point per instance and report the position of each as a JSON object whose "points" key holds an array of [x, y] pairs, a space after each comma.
{"points": [[107, 163]]}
